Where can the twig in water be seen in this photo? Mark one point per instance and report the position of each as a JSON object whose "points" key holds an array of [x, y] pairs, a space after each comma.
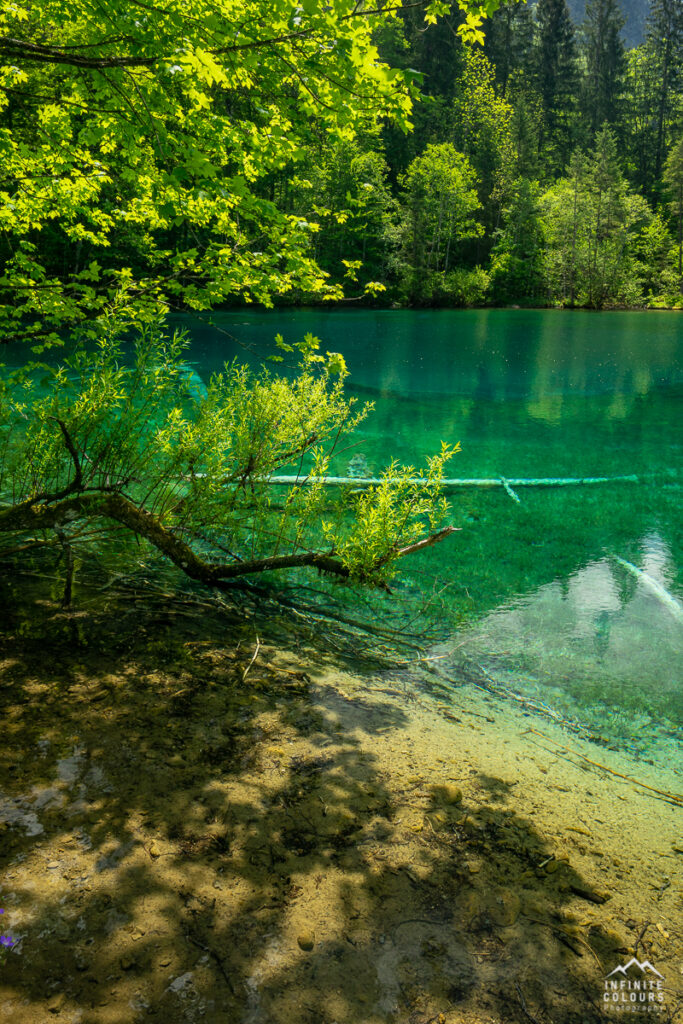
{"points": [[253, 659], [671, 798], [522, 1003], [562, 932], [640, 938], [212, 952]]}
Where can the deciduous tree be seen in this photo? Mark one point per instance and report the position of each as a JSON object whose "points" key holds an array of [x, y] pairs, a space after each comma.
{"points": [[438, 212]]}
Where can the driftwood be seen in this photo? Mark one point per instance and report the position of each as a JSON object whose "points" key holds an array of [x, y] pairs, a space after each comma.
{"points": [[506, 482]]}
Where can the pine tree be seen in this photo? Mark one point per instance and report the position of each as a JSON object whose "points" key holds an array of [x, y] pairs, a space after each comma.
{"points": [[673, 178], [509, 42], [642, 83], [557, 76], [665, 35], [525, 129], [605, 61]]}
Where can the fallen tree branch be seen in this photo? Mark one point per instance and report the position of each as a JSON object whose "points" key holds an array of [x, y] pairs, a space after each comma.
{"points": [[653, 586], [510, 492], [426, 542]]}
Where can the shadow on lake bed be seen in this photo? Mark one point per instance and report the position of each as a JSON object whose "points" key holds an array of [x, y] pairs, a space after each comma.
{"points": [[191, 833]]}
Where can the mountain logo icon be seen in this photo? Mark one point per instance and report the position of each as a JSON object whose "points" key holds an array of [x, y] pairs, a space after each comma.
{"points": [[644, 967]]}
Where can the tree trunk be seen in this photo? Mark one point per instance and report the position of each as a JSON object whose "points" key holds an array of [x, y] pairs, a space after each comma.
{"points": [[31, 516]]}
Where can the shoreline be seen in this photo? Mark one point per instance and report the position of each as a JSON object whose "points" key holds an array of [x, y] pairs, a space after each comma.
{"points": [[359, 307], [190, 836]]}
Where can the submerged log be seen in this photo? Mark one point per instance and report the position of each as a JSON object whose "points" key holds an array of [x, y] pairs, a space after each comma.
{"points": [[505, 482], [653, 587]]}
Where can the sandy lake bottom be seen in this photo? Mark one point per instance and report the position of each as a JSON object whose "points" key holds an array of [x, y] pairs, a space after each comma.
{"points": [[190, 833]]}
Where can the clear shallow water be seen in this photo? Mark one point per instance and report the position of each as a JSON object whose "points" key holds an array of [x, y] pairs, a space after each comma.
{"points": [[539, 590], [575, 596]]}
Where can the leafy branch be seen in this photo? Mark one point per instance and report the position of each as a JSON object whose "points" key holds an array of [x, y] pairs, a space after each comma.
{"points": [[185, 466]]}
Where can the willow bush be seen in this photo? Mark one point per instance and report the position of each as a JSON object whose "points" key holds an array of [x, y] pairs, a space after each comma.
{"points": [[131, 439]]}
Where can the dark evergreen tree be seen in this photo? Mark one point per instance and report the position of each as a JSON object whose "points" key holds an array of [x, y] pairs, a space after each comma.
{"points": [[509, 42], [525, 127], [665, 35], [435, 53], [557, 78], [642, 84], [605, 62]]}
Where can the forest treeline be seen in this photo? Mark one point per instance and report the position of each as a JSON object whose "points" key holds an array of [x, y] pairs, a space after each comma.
{"points": [[545, 166], [527, 161]]}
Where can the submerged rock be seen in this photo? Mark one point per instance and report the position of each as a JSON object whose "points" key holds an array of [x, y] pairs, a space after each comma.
{"points": [[306, 940], [358, 466], [447, 794], [56, 1003]]}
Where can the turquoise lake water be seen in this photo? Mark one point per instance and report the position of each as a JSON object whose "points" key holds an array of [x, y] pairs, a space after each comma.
{"points": [[574, 596]]}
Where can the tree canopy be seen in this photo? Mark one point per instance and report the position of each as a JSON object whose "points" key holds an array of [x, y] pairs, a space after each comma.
{"points": [[155, 158], [136, 139]]}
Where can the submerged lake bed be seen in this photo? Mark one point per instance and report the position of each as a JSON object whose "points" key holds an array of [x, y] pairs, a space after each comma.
{"points": [[191, 833]]}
